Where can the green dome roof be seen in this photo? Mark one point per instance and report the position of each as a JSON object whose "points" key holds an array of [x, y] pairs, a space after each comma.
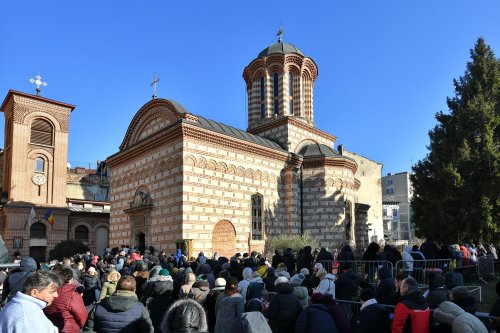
{"points": [[280, 48]]}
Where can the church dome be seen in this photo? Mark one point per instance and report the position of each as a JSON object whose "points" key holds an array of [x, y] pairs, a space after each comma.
{"points": [[280, 48]]}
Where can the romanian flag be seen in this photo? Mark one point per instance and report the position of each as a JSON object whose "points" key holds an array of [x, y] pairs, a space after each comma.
{"points": [[49, 216]]}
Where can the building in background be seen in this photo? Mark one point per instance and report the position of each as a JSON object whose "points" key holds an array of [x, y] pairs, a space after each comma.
{"points": [[40, 195], [397, 193], [369, 198]]}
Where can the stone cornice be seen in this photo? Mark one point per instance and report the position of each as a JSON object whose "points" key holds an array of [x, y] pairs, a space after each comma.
{"points": [[357, 183], [331, 161], [39, 98], [292, 121]]}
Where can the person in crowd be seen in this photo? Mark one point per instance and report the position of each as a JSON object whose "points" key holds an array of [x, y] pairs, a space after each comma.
{"points": [[324, 255], [300, 291], [458, 256], [347, 287], [200, 289], [307, 280], [386, 289], [159, 297], [373, 317], [289, 260], [67, 311], [407, 261], [277, 259], [228, 307], [185, 315], [392, 254], [269, 279], [189, 280], [235, 269], [109, 287], [262, 268], [453, 279], [141, 275], [17, 277], [326, 284], [495, 311], [306, 260], [284, 307], [204, 269], [339, 317], [371, 254], [473, 253], [460, 321], [250, 322], [120, 312], [411, 306], [282, 270], [243, 284], [220, 285], [462, 297], [24, 312], [481, 250], [493, 251], [92, 285], [315, 318], [429, 248], [314, 278], [444, 253], [437, 292]]}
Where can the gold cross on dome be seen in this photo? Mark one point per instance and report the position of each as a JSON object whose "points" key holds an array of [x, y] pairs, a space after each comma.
{"points": [[38, 81], [153, 84]]}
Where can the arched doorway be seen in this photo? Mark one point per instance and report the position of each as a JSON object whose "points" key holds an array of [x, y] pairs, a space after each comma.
{"points": [[224, 239], [101, 239], [38, 241]]}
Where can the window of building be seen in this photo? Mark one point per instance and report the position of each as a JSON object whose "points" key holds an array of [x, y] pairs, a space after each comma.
{"points": [[41, 132], [38, 230], [39, 165], [262, 97], [82, 233], [389, 181], [276, 84], [257, 206], [394, 212], [384, 212], [276, 107], [389, 191], [290, 91]]}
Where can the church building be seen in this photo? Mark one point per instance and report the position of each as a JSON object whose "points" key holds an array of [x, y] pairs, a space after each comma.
{"points": [[180, 180]]}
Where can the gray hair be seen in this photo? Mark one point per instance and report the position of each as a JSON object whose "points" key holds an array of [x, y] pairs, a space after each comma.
{"points": [[41, 280], [411, 284]]}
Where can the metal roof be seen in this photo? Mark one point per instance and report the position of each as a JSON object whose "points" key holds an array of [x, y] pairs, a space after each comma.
{"points": [[318, 150], [281, 48], [88, 210], [235, 133]]}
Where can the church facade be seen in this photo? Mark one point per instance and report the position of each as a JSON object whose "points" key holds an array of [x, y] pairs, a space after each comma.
{"points": [[180, 180]]}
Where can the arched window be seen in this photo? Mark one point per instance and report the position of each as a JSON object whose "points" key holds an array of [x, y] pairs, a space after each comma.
{"points": [[348, 220], [82, 233], [39, 164], [257, 205], [41, 132], [262, 97], [276, 93], [290, 91], [38, 230]]}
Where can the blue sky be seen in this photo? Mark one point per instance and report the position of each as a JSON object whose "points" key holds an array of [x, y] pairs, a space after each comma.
{"points": [[385, 67]]}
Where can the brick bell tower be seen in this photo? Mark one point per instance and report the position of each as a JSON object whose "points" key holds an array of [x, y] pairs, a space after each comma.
{"points": [[34, 172]]}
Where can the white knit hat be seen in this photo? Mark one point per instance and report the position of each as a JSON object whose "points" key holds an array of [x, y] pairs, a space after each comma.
{"points": [[281, 279], [220, 282]]}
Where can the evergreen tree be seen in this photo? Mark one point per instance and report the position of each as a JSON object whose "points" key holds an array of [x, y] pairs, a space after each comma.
{"points": [[456, 186]]}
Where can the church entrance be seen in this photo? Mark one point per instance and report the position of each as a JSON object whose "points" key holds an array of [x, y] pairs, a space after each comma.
{"points": [[38, 253], [101, 239], [224, 239], [140, 241]]}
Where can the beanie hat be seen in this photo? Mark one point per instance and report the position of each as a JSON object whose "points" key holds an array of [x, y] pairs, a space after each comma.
{"points": [[281, 267], [318, 266], [220, 282], [304, 271], [201, 277], [164, 272], [281, 279], [91, 269], [296, 280], [460, 292]]}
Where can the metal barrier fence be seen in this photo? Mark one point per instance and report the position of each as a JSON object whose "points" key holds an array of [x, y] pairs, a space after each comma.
{"points": [[485, 267], [420, 269], [367, 269], [10, 265]]}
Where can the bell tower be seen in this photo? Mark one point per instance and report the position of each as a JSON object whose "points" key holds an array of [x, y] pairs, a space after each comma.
{"points": [[35, 149]]}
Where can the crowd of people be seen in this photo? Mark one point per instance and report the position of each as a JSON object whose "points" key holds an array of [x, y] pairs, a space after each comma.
{"points": [[125, 290]]}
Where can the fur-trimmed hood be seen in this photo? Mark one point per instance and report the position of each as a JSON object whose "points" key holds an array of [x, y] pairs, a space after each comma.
{"points": [[185, 315]]}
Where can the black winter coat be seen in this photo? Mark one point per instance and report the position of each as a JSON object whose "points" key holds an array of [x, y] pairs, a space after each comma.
{"points": [[315, 318], [159, 300], [289, 260], [346, 287], [91, 284], [283, 309], [373, 319]]}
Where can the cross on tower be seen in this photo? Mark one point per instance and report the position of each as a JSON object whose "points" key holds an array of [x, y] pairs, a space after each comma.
{"points": [[153, 84], [280, 34], [38, 81]]}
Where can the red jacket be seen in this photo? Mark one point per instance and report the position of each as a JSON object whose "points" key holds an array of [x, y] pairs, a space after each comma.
{"points": [[67, 311], [411, 314]]}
